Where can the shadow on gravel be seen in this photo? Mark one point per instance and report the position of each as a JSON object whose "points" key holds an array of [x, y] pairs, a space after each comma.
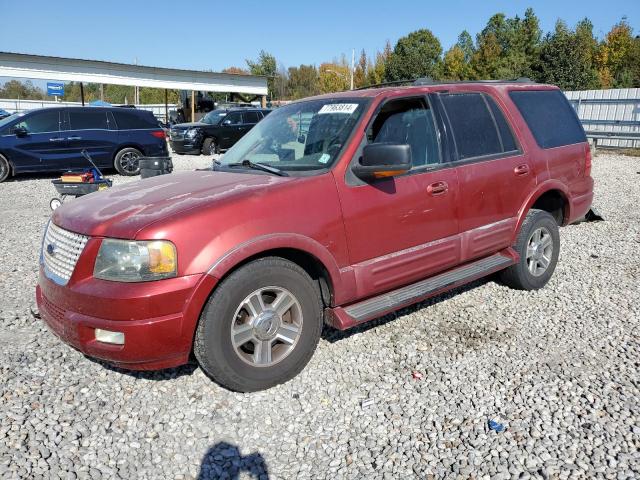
{"points": [[224, 461], [332, 335], [158, 375]]}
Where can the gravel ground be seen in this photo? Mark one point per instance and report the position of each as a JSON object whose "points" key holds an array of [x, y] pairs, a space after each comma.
{"points": [[409, 398]]}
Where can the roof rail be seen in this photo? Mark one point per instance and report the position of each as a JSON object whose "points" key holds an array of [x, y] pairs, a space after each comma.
{"points": [[431, 81]]}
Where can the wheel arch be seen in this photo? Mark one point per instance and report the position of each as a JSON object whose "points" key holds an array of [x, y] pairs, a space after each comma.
{"points": [[552, 197]]}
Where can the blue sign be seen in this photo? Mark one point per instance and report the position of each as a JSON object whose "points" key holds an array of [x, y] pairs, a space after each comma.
{"points": [[55, 89]]}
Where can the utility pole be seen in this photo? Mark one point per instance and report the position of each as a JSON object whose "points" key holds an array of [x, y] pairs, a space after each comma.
{"points": [[136, 100], [353, 62]]}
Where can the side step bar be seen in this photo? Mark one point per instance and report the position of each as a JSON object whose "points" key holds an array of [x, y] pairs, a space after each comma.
{"points": [[343, 318]]}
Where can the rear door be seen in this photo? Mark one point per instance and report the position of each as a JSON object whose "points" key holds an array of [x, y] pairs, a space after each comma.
{"points": [[43, 148], [495, 175], [88, 129]]}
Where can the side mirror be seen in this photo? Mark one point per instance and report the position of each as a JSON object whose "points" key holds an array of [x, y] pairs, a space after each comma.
{"points": [[20, 131], [381, 160], [301, 138]]}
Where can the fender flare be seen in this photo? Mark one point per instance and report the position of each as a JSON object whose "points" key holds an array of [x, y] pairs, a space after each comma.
{"points": [[540, 190], [229, 260]]}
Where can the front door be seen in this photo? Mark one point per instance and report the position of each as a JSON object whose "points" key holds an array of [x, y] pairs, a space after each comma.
{"points": [[42, 147], [230, 130], [404, 228]]}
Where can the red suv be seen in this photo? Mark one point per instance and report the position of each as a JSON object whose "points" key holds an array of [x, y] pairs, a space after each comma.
{"points": [[335, 209]]}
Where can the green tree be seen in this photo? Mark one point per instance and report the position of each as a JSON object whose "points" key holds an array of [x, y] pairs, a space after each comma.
{"points": [[617, 55], [360, 73], [303, 81], [416, 55], [264, 65], [376, 72], [334, 77], [454, 66], [22, 90], [567, 57]]}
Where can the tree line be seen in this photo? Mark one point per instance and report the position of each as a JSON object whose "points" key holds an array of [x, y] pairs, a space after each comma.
{"points": [[573, 58]]}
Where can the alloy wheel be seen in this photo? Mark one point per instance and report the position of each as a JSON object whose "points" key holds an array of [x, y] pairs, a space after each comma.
{"points": [[539, 251], [129, 162], [266, 326]]}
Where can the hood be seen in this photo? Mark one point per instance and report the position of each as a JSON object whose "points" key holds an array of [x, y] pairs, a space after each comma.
{"points": [[120, 212], [184, 126]]}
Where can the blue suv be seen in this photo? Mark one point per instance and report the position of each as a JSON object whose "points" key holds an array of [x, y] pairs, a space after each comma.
{"points": [[52, 139]]}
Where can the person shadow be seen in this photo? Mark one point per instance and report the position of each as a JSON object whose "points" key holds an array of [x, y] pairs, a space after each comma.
{"points": [[224, 461]]}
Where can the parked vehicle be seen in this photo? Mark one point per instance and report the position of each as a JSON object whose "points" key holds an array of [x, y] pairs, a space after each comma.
{"points": [[387, 196], [4, 114], [218, 130], [52, 139]]}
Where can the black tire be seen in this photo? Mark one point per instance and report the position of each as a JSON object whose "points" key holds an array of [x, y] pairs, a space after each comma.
{"points": [[520, 275], [126, 161], [209, 147], [213, 346], [5, 169]]}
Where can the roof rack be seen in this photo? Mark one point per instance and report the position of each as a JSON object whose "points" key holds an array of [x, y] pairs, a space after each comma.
{"points": [[431, 81]]}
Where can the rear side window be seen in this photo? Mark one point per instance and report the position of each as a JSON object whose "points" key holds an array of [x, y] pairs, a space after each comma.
{"points": [[549, 116], [506, 136], [131, 121], [251, 117], [474, 129], [84, 120]]}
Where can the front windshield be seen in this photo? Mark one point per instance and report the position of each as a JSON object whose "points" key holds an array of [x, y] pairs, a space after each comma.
{"points": [[214, 117], [306, 135]]}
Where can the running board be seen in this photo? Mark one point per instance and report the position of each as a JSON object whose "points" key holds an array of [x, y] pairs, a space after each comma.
{"points": [[374, 307]]}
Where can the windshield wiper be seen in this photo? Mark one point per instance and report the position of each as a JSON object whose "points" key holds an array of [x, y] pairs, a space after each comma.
{"points": [[259, 166]]}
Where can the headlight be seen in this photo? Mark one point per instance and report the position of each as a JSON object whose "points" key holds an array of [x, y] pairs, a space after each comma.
{"points": [[129, 261], [191, 133]]}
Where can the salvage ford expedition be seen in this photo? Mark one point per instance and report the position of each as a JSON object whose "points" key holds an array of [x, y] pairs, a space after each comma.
{"points": [[335, 209]]}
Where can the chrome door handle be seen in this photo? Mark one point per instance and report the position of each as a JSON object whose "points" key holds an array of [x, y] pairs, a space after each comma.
{"points": [[521, 169], [74, 138], [437, 188], [58, 139]]}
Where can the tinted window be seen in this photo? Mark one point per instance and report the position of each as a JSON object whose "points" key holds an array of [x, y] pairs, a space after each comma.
{"points": [[473, 127], [130, 120], [408, 121], [44, 121], [251, 117], [549, 116], [233, 119], [82, 119], [506, 136]]}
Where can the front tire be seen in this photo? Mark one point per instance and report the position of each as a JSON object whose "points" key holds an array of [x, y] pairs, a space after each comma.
{"points": [[538, 244], [209, 147], [260, 327], [5, 169], [127, 161]]}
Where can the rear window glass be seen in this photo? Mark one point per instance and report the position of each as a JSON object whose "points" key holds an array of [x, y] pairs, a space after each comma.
{"points": [[473, 127], [130, 120], [251, 117], [82, 120], [549, 116]]}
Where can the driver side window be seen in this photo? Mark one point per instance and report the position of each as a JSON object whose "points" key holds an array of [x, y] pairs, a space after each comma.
{"points": [[233, 119], [40, 122], [408, 121]]}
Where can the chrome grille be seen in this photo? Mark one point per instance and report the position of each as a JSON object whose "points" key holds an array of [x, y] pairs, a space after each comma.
{"points": [[60, 252]]}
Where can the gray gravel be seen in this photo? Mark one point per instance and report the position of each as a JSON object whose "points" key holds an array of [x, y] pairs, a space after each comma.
{"points": [[558, 368]]}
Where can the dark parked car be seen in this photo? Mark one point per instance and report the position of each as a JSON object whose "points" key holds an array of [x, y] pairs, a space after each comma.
{"points": [[218, 130], [390, 196], [3, 114], [52, 139]]}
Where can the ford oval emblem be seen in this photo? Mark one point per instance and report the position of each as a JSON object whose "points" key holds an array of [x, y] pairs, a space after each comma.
{"points": [[51, 248]]}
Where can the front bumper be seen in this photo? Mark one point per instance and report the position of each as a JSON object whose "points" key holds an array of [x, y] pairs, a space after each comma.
{"points": [[157, 318], [186, 146]]}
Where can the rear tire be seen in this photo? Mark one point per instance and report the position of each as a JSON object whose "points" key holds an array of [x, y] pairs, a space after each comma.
{"points": [[260, 327], [126, 161], [538, 244], [209, 147], [5, 169]]}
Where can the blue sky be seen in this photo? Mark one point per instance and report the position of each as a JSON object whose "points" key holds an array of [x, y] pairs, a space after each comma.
{"points": [[225, 33]]}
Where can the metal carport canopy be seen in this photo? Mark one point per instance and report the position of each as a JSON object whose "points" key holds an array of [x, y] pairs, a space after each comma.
{"points": [[94, 71]]}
